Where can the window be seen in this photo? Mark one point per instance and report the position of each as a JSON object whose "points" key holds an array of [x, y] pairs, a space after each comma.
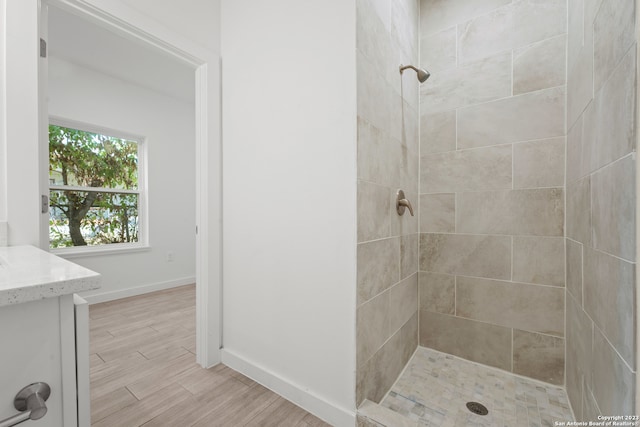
{"points": [[95, 188]]}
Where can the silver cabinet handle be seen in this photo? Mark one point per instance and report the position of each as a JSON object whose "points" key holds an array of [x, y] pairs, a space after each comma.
{"points": [[30, 402], [402, 203]]}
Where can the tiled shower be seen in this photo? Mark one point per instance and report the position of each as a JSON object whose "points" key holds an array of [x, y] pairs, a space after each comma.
{"points": [[518, 155]]}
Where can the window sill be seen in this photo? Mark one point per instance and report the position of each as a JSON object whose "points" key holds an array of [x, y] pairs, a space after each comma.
{"points": [[88, 251]]}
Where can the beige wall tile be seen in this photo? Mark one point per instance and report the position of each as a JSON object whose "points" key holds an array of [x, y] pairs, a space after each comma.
{"points": [[402, 118], [476, 341], [480, 256], [574, 152], [613, 383], [408, 255], [590, 409], [385, 160], [591, 8], [535, 115], [580, 81], [541, 65], [377, 155], [405, 24], [374, 101], [403, 302], [409, 132], [406, 224], [517, 24], [589, 137], [614, 209], [537, 212], [438, 50], [388, 147], [538, 356], [576, 405], [378, 267], [389, 156], [539, 260], [373, 326], [437, 132], [574, 269], [609, 299], [609, 133], [406, 168], [373, 211], [377, 375], [408, 341], [579, 211], [575, 36], [436, 15], [539, 163], [373, 23], [613, 34], [437, 213], [484, 80], [405, 20], [578, 352], [515, 305], [467, 170], [380, 8], [437, 292]]}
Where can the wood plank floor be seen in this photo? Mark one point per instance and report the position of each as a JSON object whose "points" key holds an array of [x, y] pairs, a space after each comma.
{"points": [[143, 371]]}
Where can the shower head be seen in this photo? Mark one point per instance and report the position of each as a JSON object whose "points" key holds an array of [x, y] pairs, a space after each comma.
{"points": [[423, 74]]}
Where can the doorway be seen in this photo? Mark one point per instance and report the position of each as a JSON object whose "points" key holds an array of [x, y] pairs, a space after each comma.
{"points": [[144, 32]]}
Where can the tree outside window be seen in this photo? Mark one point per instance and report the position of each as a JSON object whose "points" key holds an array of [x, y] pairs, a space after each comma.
{"points": [[94, 188]]}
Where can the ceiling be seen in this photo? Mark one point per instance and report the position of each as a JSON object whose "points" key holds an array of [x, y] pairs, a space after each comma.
{"points": [[84, 43]]}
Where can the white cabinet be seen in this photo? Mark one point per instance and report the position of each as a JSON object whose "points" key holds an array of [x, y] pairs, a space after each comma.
{"points": [[38, 334]]}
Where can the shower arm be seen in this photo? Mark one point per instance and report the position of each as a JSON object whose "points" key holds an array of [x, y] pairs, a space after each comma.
{"points": [[404, 67]]}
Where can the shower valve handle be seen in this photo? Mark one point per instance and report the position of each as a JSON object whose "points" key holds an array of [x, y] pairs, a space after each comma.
{"points": [[402, 203]]}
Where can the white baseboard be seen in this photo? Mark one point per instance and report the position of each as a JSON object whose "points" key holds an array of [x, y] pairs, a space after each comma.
{"points": [[328, 412], [138, 290]]}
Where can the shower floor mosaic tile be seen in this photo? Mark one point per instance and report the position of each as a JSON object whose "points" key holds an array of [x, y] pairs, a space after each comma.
{"points": [[435, 387]]}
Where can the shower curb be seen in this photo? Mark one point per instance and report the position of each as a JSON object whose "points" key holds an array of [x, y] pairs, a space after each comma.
{"points": [[371, 414]]}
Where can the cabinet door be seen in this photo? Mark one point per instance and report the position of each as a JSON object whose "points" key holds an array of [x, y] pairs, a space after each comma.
{"points": [[30, 351]]}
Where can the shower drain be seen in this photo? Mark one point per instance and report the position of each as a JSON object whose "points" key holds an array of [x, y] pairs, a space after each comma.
{"points": [[477, 408]]}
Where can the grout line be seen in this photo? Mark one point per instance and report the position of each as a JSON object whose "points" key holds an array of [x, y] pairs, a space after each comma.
{"points": [[581, 275], [513, 167], [507, 281], [615, 350], [610, 164], [456, 129], [455, 295], [511, 349], [479, 235], [512, 256], [457, 38], [513, 80]]}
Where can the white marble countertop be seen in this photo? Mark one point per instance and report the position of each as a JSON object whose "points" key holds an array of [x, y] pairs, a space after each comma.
{"points": [[28, 274]]}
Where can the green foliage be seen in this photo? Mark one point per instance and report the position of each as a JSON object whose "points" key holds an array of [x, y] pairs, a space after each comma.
{"points": [[85, 159]]}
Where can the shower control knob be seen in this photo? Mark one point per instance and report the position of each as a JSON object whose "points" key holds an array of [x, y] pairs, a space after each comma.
{"points": [[402, 203]]}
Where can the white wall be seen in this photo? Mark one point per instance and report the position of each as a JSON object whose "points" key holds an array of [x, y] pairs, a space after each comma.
{"points": [[289, 199], [20, 131], [198, 20], [83, 95], [3, 150]]}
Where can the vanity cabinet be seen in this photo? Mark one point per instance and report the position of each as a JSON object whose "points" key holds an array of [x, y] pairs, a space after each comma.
{"points": [[44, 333]]}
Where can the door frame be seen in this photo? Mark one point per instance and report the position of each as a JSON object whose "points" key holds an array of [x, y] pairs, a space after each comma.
{"points": [[135, 25]]}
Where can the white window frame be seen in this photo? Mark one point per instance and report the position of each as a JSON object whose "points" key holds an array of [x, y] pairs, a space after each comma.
{"points": [[143, 218]]}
